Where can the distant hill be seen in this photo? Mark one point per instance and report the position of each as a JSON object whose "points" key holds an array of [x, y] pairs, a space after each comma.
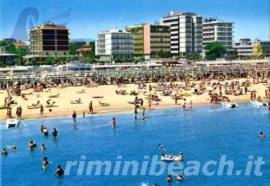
{"points": [[87, 40]]}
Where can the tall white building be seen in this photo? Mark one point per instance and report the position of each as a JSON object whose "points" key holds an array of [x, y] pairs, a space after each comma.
{"points": [[186, 32], [218, 30], [114, 43]]}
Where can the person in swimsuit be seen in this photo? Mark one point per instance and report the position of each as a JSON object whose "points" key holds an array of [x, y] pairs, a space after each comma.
{"points": [[143, 114], [45, 131], [59, 171], [113, 122], [45, 163], [262, 135], [42, 147], [74, 115], [4, 152], [54, 132], [13, 148]]}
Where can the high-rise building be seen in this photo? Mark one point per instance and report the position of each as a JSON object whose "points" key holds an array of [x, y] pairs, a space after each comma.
{"points": [[114, 43], [186, 32], [150, 40], [49, 40], [218, 30]]}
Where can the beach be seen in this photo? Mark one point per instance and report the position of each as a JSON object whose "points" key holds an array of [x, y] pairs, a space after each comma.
{"points": [[62, 98]]}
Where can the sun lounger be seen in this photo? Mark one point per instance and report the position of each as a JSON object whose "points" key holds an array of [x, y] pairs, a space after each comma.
{"points": [[54, 96], [52, 105], [97, 96], [104, 104], [33, 107]]}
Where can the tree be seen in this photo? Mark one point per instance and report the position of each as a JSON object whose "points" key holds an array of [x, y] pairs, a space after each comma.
{"points": [[214, 50], [196, 57], [2, 64], [141, 59], [91, 54], [48, 61], [17, 61], [11, 49], [2, 43], [33, 61], [57, 60], [21, 51], [258, 51]]}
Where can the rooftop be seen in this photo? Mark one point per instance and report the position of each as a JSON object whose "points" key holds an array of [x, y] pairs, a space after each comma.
{"points": [[50, 27]]}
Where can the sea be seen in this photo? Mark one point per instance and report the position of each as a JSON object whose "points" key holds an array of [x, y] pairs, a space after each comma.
{"points": [[220, 146]]}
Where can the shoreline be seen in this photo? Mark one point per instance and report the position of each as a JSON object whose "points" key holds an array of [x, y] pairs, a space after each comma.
{"points": [[62, 99], [117, 111]]}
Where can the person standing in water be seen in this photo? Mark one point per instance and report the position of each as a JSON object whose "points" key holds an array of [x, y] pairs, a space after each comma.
{"points": [[59, 171], [54, 132], [135, 113], [45, 131], [45, 163], [262, 135], [113, 122], [4, 152], [143, 114], [74, 115], [42, 148]]}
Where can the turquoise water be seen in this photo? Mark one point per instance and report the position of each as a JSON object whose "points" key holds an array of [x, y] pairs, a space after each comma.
{"points": [[204, 134]]}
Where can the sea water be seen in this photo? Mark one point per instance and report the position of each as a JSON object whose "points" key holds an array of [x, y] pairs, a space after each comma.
{"points": [[203, 134]]}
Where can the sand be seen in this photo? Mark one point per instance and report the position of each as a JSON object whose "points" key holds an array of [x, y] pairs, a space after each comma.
{"points": [[118, 103]]}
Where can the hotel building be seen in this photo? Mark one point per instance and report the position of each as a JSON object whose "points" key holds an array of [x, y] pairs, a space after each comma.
{"points": [[150, 40], [114, 43], [218, 30], [186, 32], [49, 40], [245, 47]]}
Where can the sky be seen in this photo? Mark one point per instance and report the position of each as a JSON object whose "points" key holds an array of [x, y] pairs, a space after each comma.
{"points": [[86, 18]]}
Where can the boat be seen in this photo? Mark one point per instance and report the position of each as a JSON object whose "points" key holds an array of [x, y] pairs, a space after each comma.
{"points": [[259, 103], [12, 123], [170, 158], [229, 104]]}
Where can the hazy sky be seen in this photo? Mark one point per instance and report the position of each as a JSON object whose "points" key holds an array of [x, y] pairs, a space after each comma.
{"points": [[86, 18]]}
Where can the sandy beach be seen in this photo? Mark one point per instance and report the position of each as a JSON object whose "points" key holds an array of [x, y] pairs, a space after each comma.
{"points": [[117, 103]]}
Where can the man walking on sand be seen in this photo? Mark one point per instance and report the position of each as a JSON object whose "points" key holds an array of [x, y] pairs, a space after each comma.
{"points": [[41, 110], [91, 110]]}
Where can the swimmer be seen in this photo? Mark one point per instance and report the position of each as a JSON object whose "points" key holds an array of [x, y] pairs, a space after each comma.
{"points": [[31, 145], [113, 122], [261, 135], [161, 147], [169, 178], [54, 132], [34, 144], [45, 131], [179, 177], [42, 147], [4, 152], [59, 171], [180, 156], [41, 128], [13, 148], [45, 163]]}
